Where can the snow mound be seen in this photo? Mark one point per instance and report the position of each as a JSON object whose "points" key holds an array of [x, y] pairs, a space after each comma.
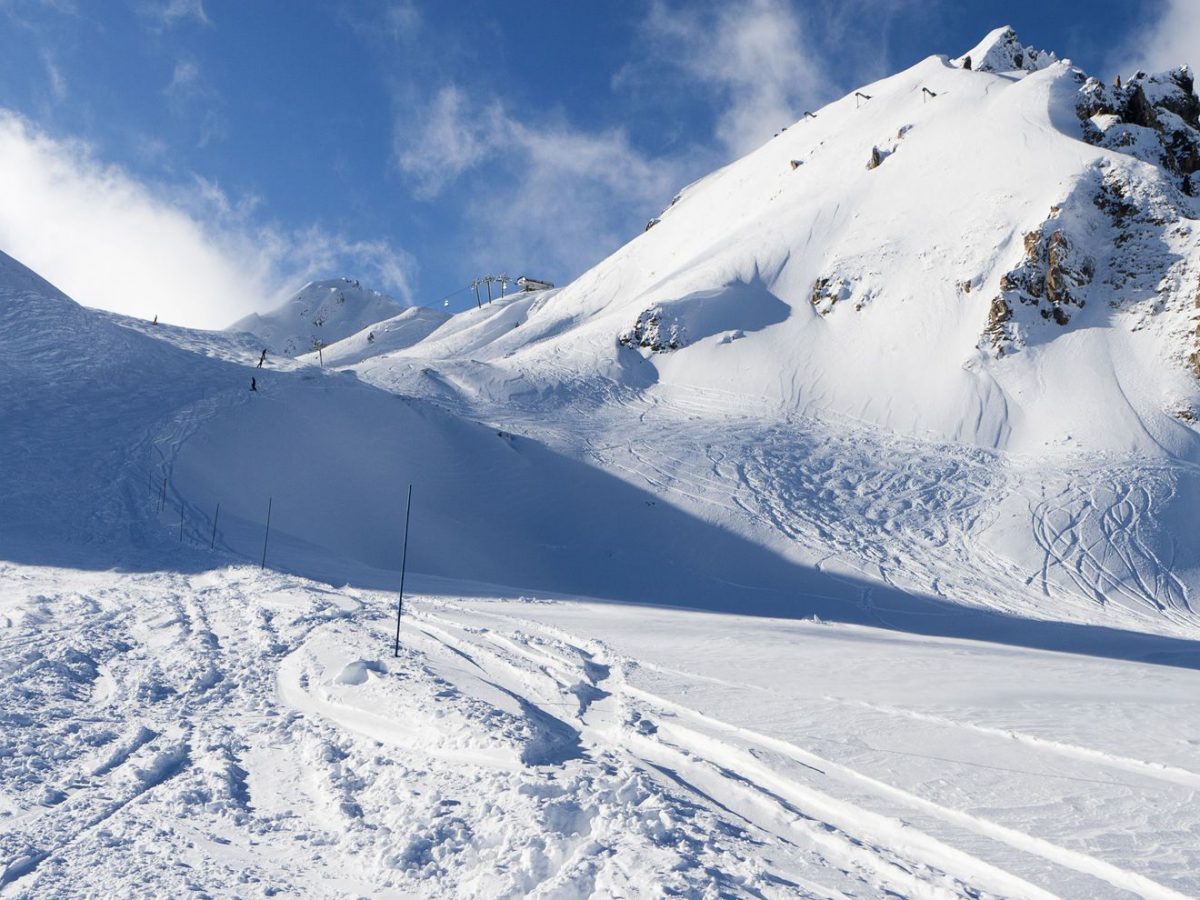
{"points": [[320, 314]]}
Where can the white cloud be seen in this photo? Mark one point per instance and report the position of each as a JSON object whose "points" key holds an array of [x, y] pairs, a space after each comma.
{"points": [[756, 56], [550, 196], [452, 135], [1170, 40], [187, 254]]}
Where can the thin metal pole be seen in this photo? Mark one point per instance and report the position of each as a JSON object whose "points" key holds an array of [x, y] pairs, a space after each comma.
{"points": [[266, 536], [403, 567], [475, 284], [216, 515]]}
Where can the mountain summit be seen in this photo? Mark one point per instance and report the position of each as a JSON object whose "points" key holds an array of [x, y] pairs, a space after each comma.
{"points": [[319, 314]]}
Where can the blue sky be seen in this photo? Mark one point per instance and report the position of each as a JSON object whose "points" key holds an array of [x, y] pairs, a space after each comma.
{"points": [[200, 158]]}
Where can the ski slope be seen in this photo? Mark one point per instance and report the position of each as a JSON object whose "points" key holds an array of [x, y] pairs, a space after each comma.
{"points": [[765, 559], [237, 732]]}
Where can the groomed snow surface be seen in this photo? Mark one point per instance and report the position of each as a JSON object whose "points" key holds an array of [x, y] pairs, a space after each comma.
{"points": [[746, 565]]}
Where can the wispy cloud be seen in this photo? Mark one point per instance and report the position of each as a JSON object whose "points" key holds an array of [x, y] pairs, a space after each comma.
{"points": [[187, 253], [169, 13], [23, 12], [451, 135], [402, 21], [542, 188], [1169, 40], [54, 76], [545, 193], [548, 191], [758, 58], [185, 78], [194, 100]]}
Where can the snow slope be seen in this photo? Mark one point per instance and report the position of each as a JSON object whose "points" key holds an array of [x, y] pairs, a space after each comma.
{"points": [[409, 327], [321, 312]]}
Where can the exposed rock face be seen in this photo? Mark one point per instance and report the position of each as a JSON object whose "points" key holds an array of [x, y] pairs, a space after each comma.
{"points": [[1050, 281], [996, 334], [830, 290], [1050, 276], [1155, 118], [876, 158], [1120, 244], [652, 333], [1194, 358]]}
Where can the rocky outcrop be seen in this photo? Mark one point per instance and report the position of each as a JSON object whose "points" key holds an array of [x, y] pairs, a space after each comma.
{"points": [[1051, 275], [652, 332], [996, 334], [1194, 358], [1050, 281], [830, 290], [1155, 118]]}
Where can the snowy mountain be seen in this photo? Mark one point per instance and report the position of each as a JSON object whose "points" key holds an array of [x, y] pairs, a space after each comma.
{"points": [[834, 537], [1004, 255], [322, 312]]}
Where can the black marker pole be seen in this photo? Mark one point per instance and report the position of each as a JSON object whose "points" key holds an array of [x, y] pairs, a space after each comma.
{"points": [[267, 535], [403, 567]]}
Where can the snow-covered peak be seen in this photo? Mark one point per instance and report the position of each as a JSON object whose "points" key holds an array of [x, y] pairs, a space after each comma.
{"points": [[1002, 51], [319, 314], [1007, 261]]}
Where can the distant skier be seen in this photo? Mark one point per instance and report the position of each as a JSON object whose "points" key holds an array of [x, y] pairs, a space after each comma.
{"points": [[253, 385], [262, 359], [155, 322]]}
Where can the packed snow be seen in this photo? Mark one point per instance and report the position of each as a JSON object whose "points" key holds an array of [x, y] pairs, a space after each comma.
{"points": [[835, 537]]}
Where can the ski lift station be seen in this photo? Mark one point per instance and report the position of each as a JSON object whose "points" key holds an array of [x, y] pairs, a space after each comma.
{"points": [[532, 284]]}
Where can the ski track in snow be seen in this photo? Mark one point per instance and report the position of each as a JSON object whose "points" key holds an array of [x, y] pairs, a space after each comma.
{"points": [[498, 755], [898, 511]]}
